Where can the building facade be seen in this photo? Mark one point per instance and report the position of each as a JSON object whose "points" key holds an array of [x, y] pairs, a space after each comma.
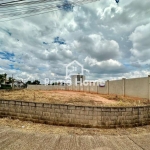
{"points": [[77, 79]]}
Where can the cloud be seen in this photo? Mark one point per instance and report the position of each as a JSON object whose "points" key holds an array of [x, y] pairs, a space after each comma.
{"points": [[141, 44], [110, 40], [98, 47], [103, 67]]}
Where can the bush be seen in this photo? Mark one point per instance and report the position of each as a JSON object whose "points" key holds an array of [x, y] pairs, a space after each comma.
{"points": [[3, 86]]}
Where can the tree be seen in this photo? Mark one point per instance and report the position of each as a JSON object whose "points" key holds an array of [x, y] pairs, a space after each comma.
{"points": [[3, 78], [36, 82], [28, 82], [10, 79]]}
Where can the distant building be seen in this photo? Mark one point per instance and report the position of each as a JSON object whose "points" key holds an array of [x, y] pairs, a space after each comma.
{"points": [[18, 83], [77, 79]]}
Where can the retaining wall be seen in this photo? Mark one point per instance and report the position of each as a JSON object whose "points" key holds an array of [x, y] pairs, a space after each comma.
{"points": [[87, 116]]}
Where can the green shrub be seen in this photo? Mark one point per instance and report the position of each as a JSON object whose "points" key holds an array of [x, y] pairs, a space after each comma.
{"points": [[3, 86]]}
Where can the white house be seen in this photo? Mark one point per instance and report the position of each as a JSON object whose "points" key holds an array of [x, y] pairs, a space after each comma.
{"points": [[77, 79]]}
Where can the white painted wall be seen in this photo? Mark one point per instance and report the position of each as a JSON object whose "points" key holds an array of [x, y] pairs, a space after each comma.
{"points": [[138, 87]]}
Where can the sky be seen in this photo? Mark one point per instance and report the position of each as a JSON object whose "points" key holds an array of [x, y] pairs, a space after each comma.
{"points": [[111, 42]]}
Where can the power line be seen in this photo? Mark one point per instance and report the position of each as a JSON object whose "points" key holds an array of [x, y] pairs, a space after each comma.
{"points": [[24, 8], [6, 15], [36, 9], [33, 10], [47, 11], [27, 3], [11, 2], [28, 10], [28, 7]]}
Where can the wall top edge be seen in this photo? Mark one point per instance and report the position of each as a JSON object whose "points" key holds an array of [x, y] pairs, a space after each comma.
{"points": [[69, 105]]}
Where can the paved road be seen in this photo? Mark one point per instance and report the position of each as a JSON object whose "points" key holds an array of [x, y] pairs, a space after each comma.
{"points": [[13, 139]]}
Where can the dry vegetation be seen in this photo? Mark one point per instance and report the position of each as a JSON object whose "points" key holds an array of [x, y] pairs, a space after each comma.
{"points": [[69, 97], [27, 126]]}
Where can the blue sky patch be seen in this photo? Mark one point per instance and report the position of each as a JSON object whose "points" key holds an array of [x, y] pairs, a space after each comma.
{"points": [[45, 43], [58, 40], [6, 55], [66, 6], [13, 68]]}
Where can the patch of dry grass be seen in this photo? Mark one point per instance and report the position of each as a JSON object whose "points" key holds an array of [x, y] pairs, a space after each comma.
{"points": [[69, 97], [30, 127], [127, 101]]}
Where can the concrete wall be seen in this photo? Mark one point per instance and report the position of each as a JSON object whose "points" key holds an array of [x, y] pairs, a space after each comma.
{"points": [[116, 87], [103, 90], [93, 89], [87, 116], [138, 87]]}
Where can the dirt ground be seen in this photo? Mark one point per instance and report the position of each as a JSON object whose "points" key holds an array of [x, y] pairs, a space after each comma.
{"points": [[70, 97]]}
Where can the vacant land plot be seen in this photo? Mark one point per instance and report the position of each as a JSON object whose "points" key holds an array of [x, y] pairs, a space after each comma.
{"points": [[70, 97]]}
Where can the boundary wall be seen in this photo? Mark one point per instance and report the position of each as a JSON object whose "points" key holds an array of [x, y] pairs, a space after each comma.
{"points": [[137, 87], [70, 115]]}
